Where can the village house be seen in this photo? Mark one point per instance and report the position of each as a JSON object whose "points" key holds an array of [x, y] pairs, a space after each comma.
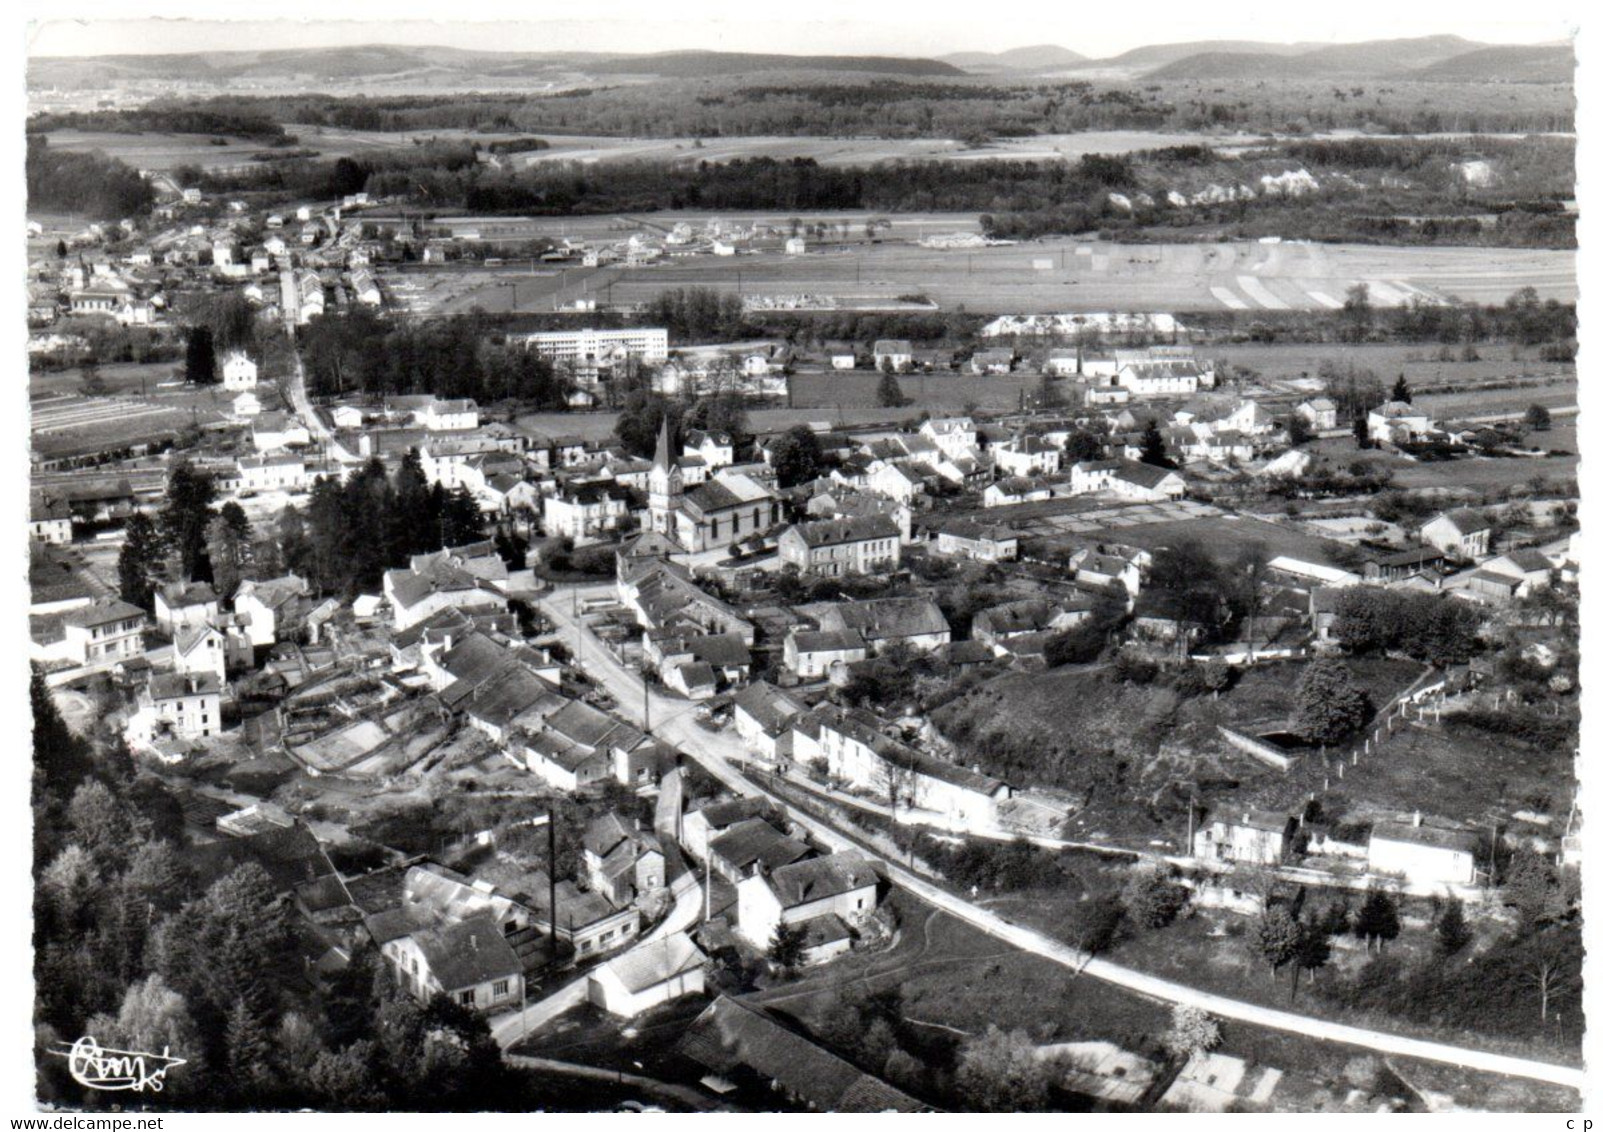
{"points": [[271, 431], [833, 547], [702, 826], [737, 1039], [1398, 422], [857, 753], [623, 861], [239, 372], [272, 610], [981, 543], [840, 889], [898, 352], [1461, 532], [450, 416], [649, 975], [431, 584], [1423, 854], [955, 436], [991, 361], [584, 512], [1027, 456], [587, 922], [762, 714], [97, 634], [753, 846], [810, 654], [186, 705], [1319, 413], [50, 520], [917, 622], [468, 961], [1245, 836], [184, 605]]}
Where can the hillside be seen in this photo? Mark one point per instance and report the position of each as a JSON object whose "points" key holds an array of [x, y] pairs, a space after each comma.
{"points": [[1437, 58], [374, 60], [1547, 63], [1043, 57], [699, 64]]}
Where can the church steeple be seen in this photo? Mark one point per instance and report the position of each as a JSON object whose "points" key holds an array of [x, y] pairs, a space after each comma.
{"points": [[664, 458], [665, 483]]}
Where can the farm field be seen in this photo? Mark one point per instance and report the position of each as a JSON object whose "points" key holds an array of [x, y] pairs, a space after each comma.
{"points": [[163, 151], [1089, 275], [1467, 474], [66, 424]]}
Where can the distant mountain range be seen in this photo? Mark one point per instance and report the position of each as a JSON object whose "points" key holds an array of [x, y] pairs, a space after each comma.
{"points": [[1039, 58], [334, 64], [1441, 58]]}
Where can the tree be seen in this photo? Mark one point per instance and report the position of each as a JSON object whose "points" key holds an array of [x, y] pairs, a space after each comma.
{"points": [[889, 393], [1401, 392], [228, 546], [1550, 964], [1361, 430], [1096, 924], [155, 1018], [1377, 920], [1297, 431], [999, 1071], [1152, 897], [250, 1053], [1530, 884], [1080, 445], [1329, 705], [1153, 449], [640, 420], [1453, 934], [139, 562], [99, 823], [1191, 1030], [1278, 935], [461, 520], [185, 515], [788, 946], [1538, 418], [797, 456], [200, 357], [91, 381], [1313, 952]]}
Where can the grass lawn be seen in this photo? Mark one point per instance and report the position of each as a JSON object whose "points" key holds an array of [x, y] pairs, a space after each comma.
{"points": [[1472, 774], [1225, 537]]}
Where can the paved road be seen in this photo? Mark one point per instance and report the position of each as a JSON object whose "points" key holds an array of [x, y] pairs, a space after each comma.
{"points": [[716, 751], [295, 390]]}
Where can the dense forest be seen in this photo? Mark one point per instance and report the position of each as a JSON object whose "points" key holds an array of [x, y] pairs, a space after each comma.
{"points": [[86, 184], [356, 351]]}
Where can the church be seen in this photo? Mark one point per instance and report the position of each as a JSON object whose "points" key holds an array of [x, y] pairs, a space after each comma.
{"points": [[727, 508]]}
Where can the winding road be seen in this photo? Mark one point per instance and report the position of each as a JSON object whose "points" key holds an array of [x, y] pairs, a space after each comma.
{"points": [[717, 752]]}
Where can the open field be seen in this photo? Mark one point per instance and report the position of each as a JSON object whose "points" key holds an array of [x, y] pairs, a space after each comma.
{"points": [[163, 151], [66, 424], [1078, 275], [1473, 472]]}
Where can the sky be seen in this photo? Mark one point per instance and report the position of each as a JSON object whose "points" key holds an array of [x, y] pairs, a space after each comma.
{"points": [[890, 27]]}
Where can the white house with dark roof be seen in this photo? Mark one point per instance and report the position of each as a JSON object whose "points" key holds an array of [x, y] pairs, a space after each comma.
{"points": [[1245, 834], [897, 351], [185, 605], [980, 542], [1460, 532], [273, 608], [1423, 854], [239, 372], [833, 547], [843, 885], [649, 975], [915, 621], [810, 654]]}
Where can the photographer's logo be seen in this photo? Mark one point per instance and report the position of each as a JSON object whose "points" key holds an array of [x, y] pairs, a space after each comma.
{"points": [[116, 1069]]}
